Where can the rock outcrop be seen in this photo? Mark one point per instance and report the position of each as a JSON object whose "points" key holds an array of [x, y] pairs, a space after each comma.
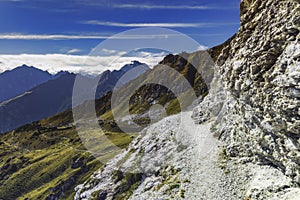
{"points": [[261, 71], [260, 74]]}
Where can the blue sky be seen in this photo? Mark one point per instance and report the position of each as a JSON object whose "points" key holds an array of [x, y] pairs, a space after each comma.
{"points": [[75, 27]]}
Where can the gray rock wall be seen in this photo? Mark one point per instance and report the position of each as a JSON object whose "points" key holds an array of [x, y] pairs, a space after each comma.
{"points": [[261, 71]]}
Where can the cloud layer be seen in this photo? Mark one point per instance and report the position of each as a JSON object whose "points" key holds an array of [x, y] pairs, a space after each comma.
{"points": [[166, 25], [91, 65], [48, 37], [146, 6], [94, 22]]}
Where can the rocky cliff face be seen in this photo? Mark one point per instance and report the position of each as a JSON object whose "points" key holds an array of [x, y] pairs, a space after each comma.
{"points": [[261, 71], [260, 74]]}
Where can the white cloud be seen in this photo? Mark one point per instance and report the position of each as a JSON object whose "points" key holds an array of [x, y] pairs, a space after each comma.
{"points": [[168, 25], [11, 0], [48, 37], [110, 52], [78, 37], [73, 51], [145, 54], [184, 6], [91, 65], [202, 47], [145, 6]]}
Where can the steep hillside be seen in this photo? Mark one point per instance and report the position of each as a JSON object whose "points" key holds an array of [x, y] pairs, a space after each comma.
{"points": [[153, 88], [39, 161]]}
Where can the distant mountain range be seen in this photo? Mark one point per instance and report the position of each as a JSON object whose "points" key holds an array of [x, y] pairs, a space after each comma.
{"points": [[21, 79], [108, 79], [52, 93]]}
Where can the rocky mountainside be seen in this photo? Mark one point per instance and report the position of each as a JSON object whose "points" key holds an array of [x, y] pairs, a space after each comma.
{"points": [[260, 73], [252, 109]]}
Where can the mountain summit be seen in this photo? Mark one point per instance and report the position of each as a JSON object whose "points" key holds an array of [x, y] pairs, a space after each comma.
{"points": [[21, 79]]}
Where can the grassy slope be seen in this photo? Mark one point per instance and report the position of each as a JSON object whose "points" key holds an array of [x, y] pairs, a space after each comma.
{"points": [[139, 102], [37, 164]]}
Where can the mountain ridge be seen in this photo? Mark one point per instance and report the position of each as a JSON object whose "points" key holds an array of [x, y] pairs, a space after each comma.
{"points": [[21, 79], [55, 96]]}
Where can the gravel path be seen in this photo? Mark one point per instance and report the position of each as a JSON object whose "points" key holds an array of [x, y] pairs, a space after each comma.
{"points": [[181, 160]]}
